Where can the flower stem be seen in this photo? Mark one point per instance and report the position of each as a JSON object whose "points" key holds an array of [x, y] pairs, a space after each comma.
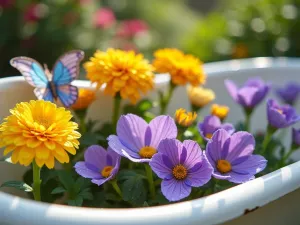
{"points": [[269, 133], [116, 187], [150, 180], [288, 154], [181, 131], [248, 114], [165, 99], [116, 110], [36, 181]]}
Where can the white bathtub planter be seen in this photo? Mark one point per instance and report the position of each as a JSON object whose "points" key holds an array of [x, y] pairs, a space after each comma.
{"points": [[276, 192]]}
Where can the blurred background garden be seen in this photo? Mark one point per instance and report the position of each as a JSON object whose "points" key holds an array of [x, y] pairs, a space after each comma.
{"points": [[212, 30]]}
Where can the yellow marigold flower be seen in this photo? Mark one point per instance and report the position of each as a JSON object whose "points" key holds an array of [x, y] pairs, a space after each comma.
{"points": [[123, 72], [200, 96], [183, 68], [184, 118], [85, 98], [38, 130], [220, 111]]}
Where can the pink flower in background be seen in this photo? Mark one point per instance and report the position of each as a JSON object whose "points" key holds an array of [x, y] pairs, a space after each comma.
{"points": [[129, 28], [6, 3], [104, 18], [35, 12]]}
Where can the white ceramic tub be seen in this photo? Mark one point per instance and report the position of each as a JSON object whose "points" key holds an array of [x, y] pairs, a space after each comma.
{"points": [[272, 199]]}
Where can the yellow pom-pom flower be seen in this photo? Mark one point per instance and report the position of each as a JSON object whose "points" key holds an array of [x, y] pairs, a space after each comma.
{"points": [[85, 98], [184, 118], [123, 72], [183, 68], [38, 130], [200, 96], [220, 111]]}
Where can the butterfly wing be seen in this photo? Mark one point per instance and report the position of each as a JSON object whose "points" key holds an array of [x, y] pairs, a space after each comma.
{"points": [[66, 68], [44, 93], [31, 70], [67, 94]]}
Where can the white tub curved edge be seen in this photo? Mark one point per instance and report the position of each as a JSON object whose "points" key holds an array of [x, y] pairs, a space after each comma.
{"points": [[213, 209]]}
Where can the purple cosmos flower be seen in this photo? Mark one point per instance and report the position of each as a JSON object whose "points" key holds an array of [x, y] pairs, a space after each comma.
{"points": [[289, 93], [212, 123], [181, 166], [296, 137], [281, 116], [231, 156], [249, 95], [99, 165], [137, 140]]}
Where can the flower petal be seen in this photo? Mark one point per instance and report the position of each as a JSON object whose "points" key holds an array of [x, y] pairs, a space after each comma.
{"points": [[228, 127], [161, 165], [246, 95], [200, 173], [96, 156], [194, 153], [239, 178], [85, 172], [175, 190], [241, 144], [232, 89], [172, 148], [115, 144], [216, 146], [131, 131], [100, 181], [253, 165], [50, 162], [162, 127]]}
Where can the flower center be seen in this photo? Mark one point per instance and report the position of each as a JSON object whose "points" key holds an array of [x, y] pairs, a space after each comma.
{"points": [[147, 152], [280, 111], [44, 122], [223, 166], [179, 172], [106, 171], [209, 135]]}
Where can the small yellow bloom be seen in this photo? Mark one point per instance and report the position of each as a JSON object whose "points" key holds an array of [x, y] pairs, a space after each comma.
{"points": [[200, 96], [240, 50], [85, 98], [220, 111], [38, 130], [123, 72], [183, 68], [184, 118]]}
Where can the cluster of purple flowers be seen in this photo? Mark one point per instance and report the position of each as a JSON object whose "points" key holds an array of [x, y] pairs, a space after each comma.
{"points": [[183, 165]]}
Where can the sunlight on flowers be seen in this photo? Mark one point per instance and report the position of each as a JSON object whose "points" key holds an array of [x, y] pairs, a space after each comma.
{"points": [[123, 72], [85, 98], [184, 118], [200, 96], [38, 130], [183, 68], [220, 111]]}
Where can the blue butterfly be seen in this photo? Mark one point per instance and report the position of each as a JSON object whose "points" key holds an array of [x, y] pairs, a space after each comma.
{"points": [[55, 85]]}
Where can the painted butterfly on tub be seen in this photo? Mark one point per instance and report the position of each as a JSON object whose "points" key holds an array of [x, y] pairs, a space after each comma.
{"points": [[55, 85]]}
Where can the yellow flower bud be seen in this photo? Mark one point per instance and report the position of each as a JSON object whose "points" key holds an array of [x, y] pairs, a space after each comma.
{"points": [[185, 118], [220, 111], [85, 98], [200, 96]]}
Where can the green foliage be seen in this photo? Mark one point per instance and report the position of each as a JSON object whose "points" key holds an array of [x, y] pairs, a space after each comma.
{"points": [[18, 185]]}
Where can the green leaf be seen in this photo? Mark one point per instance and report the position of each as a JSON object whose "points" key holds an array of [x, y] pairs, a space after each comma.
{"points": [[145, 204], [86, 194], [126, 174], [18, 185], [133, 190], [145, 105], [75, 202], [66, 179], [91, 138], [6, 159], [58, 190]]}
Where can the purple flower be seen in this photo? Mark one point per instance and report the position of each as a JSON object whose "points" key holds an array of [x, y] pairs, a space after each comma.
{"points": [[296, 137], [181, 166], [231, 156], [137, 140], [281, 116], [99, 165], [249, 95], [289, 93], [212, 123]]}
